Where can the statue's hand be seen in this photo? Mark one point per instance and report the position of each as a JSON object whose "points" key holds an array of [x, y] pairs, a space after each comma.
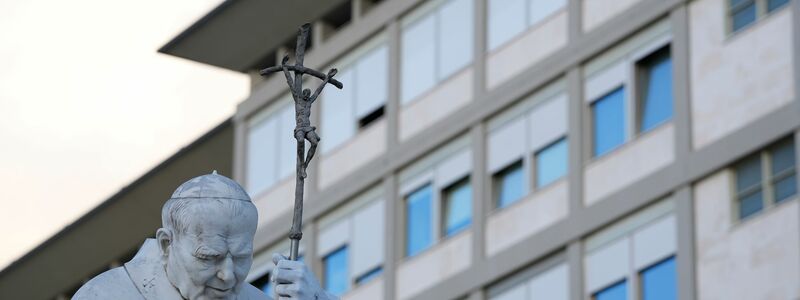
{"points": [[293, 280]]}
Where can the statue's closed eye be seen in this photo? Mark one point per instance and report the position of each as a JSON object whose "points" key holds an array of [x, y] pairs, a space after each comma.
{"points": [[206, 254]]}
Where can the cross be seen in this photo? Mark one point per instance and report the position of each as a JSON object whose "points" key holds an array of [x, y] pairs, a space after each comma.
{"points": [[303, 98]]}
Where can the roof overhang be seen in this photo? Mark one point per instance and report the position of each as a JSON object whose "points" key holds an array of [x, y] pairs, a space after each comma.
{"points": [[238, 34]]}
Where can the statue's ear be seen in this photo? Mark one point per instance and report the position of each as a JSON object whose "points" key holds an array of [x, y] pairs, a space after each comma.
{"points": [[164, 238]]}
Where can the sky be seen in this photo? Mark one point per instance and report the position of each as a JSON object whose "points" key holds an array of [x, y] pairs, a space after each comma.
{"points": [[87, 105]]}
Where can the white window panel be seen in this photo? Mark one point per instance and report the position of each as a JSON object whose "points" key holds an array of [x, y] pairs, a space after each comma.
{"points": [[553, 284], [262, 154], [371, 81], [605, 81], [607, 265], [287, 144], [654, 242], [453, 168], [338, 114], [548, 122], [506, 20], [368, 237], [418, 62], [454, 37], [538, 10], [518, 292], [506, 144], [333, 237]]}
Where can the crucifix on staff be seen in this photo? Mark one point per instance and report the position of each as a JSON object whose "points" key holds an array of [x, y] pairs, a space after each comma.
{"points": [[303, 131]]}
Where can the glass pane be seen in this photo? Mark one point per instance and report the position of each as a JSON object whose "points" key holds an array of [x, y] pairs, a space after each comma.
{"points": [[458, 207], [785, 188], [336, 278], [609, 121], [617, 291], [658, 281], [372, 274], [262, 155], [657, 90], [541, 9], [750, 204], [748, 173], [735, 3], [455, 37], [783, 157], [287, 145], [338, 123], [551, 163], [775, 4], [509, 185], [372, 73], [418, 63], [506, 20], [418, 221], [744, 17]]}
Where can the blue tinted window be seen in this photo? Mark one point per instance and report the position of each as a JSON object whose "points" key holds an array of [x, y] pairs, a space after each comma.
{"points": [[418, 221], [783, 171], [658, 281], [743, 15], [775, 4], [617, 291], [608, 115], [551, 163], [748, 186], [509, 184], [371, 274], [336, 279], [458, 207], [657, 90]]}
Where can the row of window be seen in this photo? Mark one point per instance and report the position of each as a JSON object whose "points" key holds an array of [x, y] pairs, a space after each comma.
{"points": [[742, 13], [765, 178], [657, 282]]}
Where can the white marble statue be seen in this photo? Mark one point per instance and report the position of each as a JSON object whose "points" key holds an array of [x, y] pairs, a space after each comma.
{"points": [[203, 251]]}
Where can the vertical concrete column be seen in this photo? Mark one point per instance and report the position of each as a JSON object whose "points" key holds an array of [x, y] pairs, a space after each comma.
{"points": [[679, 19], [575, 264], [479, 49], [310, 243], [478, 180], [239, 148], [576, 139], [393, 233], [392, 108], [796, 49], [684, 212], [574, 11], [319, 32]]}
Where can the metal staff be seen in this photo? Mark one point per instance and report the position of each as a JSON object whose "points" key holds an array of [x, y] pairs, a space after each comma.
{"points": [[303, 98]]}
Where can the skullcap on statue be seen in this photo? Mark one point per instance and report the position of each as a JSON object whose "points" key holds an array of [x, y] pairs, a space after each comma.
{"points": [[211, 186]]}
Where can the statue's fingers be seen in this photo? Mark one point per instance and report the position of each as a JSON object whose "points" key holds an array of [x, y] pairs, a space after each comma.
{"points": [[277, 257], [287, 290], [289, 265]]}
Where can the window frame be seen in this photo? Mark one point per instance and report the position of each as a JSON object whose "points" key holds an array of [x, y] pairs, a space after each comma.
{"points": [[767, 182], [762, 11], [444, 211], [535, 167], [642, 78], [496, 184]]}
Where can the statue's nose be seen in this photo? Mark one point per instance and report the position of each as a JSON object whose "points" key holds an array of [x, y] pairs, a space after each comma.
{"points": [[225, 272]]}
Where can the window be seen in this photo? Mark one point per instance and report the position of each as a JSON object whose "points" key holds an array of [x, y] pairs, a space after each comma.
{"points": [[418, 220], [551, 163], [362, 103], [618, 291], [745, 12], [655, 97], [335, 272], [508, 185], [765, 178], [270, 149], [658, 281], [608, 114], [457, 207], [367, 277], [509, 18], [435, 46]]}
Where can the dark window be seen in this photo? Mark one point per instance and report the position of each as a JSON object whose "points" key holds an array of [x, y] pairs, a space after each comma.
{"points": [[743, 13], [371, 117], [766, 178], [509, 185], [655, 89], [457, 207]]}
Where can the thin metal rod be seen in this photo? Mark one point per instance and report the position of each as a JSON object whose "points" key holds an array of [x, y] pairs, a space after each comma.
{"points": [[294, 249]]}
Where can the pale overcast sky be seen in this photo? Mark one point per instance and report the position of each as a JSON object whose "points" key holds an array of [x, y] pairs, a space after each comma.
{"points": [[87, 105]]}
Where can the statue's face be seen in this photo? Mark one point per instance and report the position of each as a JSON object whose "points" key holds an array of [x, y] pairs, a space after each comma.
{"points": [[212, 258]]}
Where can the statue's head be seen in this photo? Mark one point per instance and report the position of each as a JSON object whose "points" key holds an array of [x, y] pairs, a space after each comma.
{"points": [[206, 240]]}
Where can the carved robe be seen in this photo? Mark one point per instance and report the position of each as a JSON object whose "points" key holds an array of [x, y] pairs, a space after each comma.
{"points": [[144, 278]]}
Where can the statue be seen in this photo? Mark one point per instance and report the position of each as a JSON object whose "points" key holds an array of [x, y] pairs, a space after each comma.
{"points": [[204, 250]]}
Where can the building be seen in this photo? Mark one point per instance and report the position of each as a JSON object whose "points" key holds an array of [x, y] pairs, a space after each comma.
{"points": [[521, 149], [111, 233]]}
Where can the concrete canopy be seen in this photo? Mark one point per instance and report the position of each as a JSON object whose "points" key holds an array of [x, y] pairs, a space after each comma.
{"points": [[238, 34]]}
